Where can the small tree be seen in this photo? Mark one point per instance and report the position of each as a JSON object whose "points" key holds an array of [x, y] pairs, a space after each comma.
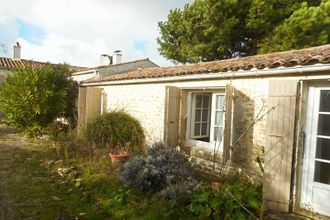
{"points": [[32, 98]]}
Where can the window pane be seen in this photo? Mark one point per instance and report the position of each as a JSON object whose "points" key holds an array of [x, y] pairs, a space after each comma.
{"points": [[198, 115], [322, 172], [199, 101], [219, 118], [325, 101], [206, 100], [205, 115], [204, 129], [324, 125], [218, 133], [323, 149], [220, 101], [197, 131]]}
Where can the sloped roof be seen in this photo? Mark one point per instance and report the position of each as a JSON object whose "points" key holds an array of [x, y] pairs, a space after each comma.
{"points": [[11, 64], [308, 56], [118, 64]]}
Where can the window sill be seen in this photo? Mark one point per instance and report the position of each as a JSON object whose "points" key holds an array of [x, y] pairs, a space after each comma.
{"points": [[201, 144]]}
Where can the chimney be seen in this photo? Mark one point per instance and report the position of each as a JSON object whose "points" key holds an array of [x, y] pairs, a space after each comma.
{"points": [[105, 60], [17, 51], [117, 57]]}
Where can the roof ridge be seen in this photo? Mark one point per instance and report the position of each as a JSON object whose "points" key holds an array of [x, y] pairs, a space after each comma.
{"points": [[306, 56], [11, 63], [117, 64]]}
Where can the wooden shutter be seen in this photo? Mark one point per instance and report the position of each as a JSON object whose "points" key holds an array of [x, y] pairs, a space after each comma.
{"points": [[93, 103], [279, 144], [172, 109], [228, 123], [89, 106], [81, 110]]}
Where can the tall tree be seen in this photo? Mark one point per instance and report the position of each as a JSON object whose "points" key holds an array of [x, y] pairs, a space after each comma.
{"points": [[307, 26], [219, 29]]}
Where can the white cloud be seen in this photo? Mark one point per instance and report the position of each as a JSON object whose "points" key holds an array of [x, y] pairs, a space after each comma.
{"points": [[78, 31]]}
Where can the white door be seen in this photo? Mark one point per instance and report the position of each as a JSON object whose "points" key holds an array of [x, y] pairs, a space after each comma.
{"points": [[316, 162]]}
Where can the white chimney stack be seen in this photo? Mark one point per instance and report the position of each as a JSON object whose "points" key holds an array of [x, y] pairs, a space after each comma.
{"points": [[116, 57], [17, 51], [105, 60]]}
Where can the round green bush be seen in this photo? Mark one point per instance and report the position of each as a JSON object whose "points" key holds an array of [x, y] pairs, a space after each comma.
{"points": [[116, 130]]}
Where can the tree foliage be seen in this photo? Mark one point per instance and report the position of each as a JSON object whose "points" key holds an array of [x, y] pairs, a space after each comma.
{"points": [[218, 29], [32, 98], [307, 26]]}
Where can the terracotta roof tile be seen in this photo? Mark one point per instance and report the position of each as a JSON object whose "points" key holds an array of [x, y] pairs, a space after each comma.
{"points": [[291, 58], [11, 64]]}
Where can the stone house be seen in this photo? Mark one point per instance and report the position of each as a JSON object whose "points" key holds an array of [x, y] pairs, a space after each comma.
{"points": [[268, 116]]}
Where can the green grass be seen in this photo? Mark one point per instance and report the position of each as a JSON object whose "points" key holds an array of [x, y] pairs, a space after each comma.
{"points": [[36, 190], [40, 193]]}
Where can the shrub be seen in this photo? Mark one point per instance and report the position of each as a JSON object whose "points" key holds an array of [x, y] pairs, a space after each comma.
{"points": [[32, 98], [116, 129], [56, 129], [235, 200], [162, 170]]}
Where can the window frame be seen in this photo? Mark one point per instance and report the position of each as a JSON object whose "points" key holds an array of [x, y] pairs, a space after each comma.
{"points": [[213, 117], [189, 115], [193, 112]]}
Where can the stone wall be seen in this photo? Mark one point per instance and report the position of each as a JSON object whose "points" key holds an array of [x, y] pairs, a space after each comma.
{"points": [[146, 102]]}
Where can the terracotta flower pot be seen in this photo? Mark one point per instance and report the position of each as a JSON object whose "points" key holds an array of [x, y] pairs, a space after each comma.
{"points": [[119, 157]]}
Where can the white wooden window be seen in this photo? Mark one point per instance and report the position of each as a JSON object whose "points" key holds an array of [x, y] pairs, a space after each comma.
{"points": [[205, 115], [200, 118]]}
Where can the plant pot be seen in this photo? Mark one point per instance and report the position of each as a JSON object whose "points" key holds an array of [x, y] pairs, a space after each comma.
{"points": [[119, 157]]}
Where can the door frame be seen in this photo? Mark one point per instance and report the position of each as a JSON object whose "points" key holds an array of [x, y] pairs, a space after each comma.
{"points": [[309, 145]]}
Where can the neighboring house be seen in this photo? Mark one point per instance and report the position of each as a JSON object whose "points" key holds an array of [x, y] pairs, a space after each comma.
{"points": [[9, 65], [110, 65], [273, 106]]}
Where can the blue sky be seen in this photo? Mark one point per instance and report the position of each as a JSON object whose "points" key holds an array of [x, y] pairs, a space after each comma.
{"points": [[31, 33], [140, 46], [79, 31]]}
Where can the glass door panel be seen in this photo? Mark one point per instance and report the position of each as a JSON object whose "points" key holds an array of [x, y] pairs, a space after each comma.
{"points": [[218, 114], [322, 153]]}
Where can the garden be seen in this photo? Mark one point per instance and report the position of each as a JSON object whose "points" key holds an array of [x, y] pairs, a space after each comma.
{"points": [[70, 177], [110, 172]]}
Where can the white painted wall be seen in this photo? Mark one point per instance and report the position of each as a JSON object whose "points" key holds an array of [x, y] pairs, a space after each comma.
{"points": [[81, 76]]}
